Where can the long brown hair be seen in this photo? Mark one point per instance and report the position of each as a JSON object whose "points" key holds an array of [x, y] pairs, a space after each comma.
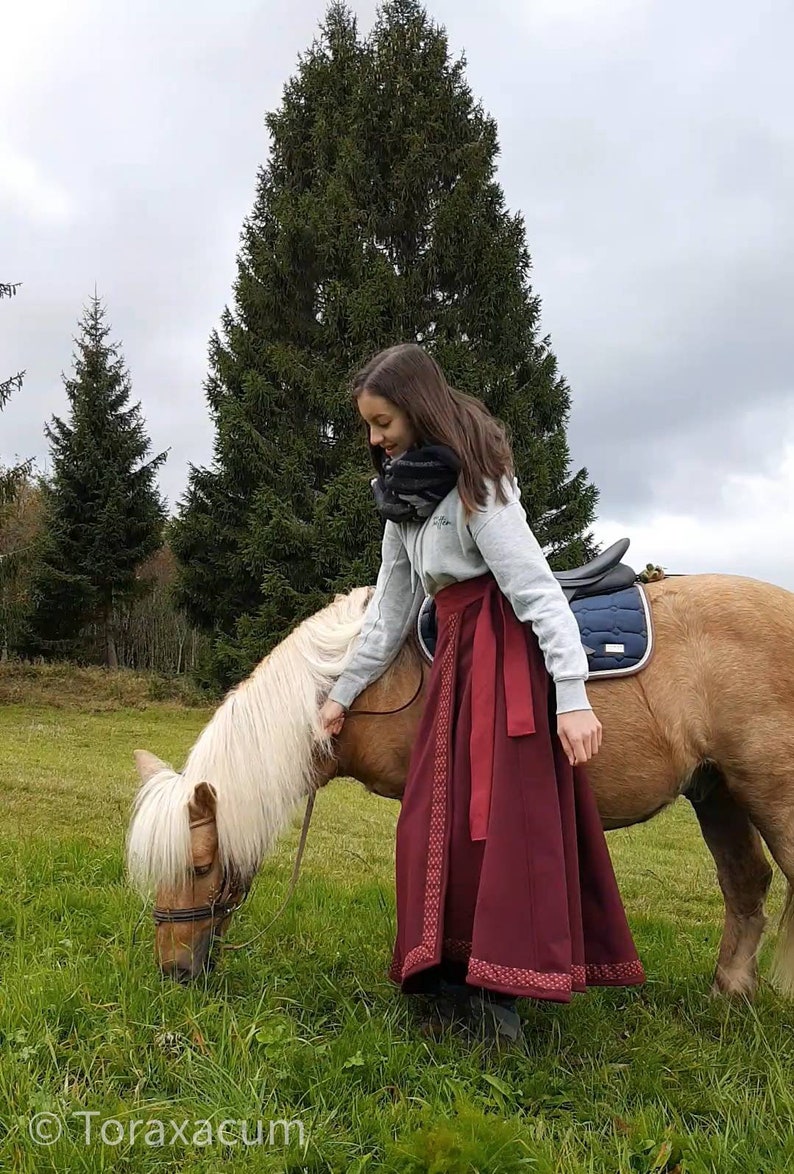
{"points": [[410, 378]]}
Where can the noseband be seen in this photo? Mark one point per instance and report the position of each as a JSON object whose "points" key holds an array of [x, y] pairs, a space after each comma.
{"points": [[215, 910]]}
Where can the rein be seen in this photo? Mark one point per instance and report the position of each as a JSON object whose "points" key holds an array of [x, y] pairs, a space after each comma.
{"points": [[386, 712], [305, 831], [293, 879], [217, 909]]}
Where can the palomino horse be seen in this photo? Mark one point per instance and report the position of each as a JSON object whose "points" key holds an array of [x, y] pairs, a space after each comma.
{"points": [[710, 717]]}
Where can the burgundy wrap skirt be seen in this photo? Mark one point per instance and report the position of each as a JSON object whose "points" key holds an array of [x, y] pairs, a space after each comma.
{"points": [[502, 865]]}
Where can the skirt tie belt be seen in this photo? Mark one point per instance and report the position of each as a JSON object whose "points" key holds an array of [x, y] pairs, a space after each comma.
{"points": [[516, 681]]}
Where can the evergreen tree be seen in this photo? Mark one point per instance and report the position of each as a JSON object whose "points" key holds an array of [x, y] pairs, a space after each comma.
{"points": [[14, 382], [20, 524], [10, 478], [376, 220], [103, 512]]}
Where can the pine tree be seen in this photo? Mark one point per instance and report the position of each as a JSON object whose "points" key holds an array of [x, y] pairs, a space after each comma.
{"points": [[376, 220], [103, 512]]}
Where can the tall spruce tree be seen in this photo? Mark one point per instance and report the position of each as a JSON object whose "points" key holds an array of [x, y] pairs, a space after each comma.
{"points": [[104, 515], [376, 220]]}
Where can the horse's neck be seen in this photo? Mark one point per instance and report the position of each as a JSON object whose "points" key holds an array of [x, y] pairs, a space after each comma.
{"points": [[256, 752]]}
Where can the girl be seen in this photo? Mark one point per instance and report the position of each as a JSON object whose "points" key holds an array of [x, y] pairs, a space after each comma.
{"points": [[505, 886]]}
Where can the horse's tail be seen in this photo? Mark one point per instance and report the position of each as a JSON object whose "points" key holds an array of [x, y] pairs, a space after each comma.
{"points": [[783, 960]]}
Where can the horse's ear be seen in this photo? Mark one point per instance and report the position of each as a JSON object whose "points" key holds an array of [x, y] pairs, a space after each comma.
{"points": [[203, 803], [148, 765]]}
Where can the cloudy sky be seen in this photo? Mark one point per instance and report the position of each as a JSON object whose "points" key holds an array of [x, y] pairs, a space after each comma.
{"points": [[649, 145]]}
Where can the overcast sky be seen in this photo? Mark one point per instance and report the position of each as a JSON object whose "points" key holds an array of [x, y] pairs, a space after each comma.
{"points": [[648, 144]]}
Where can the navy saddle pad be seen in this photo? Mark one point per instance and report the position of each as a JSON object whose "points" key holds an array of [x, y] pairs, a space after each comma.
{"points": [[616, 631]]}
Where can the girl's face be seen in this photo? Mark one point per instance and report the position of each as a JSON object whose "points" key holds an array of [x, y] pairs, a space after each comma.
{"points": [[389, 426]]}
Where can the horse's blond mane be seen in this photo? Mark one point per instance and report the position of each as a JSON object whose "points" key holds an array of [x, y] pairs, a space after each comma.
{"points": [[258, 752]]}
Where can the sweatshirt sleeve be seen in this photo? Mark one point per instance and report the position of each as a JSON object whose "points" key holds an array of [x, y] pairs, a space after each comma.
{"points": [[519, 566], [387, 621]]}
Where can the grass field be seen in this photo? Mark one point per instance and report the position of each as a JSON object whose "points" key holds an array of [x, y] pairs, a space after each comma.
{"points": [[303, 1026]]}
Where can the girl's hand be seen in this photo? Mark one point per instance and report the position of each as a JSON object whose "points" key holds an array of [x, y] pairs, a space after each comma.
{"points": [[580, 733], [332, 717]]}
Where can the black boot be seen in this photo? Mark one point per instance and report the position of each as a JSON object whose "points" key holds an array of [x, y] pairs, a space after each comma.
{"points": [[497, 1012]]}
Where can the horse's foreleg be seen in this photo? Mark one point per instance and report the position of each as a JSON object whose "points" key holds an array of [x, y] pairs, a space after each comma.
{"points": [[744, 875]]}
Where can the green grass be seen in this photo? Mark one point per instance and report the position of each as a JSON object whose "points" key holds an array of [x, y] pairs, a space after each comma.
{"points": [[303, 1024]]}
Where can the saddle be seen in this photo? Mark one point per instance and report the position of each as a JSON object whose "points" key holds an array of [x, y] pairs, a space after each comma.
{"points": [[601, 576], [610, 606]]}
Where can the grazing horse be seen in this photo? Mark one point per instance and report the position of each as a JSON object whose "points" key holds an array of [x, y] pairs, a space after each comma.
{"points": [[709, 715]]}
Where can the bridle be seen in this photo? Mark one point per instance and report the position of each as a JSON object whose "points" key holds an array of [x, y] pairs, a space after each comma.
{"points": [[385, 712], [216, 908]]}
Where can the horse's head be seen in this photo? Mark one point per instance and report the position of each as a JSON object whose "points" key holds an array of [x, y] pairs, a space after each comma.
{"points": [[195, 908]]}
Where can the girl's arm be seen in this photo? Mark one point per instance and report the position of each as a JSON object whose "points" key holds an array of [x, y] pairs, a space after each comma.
{"points": [[519, 566], [387, 621]]}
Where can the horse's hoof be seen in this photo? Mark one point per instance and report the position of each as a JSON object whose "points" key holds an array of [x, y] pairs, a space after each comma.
{"points": [[725, 988]]}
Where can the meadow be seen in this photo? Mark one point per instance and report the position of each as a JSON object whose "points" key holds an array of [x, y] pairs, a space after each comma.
{"points": [[302, 1026]]}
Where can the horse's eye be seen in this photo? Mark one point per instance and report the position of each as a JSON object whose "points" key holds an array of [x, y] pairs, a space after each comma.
{"points": [[202, 870]]}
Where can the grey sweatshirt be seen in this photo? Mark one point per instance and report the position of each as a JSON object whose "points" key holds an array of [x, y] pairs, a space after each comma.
{"points": [[420, 559]]}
